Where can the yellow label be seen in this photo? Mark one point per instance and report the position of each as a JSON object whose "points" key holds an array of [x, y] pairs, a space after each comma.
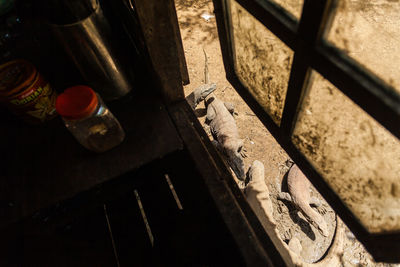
{"points": [[29, 98], [45, 104]]}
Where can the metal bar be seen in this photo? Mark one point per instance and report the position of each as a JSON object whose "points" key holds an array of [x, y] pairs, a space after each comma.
{"points": [[222, 11], [314, 19], [278, 21], [377, 99], [311, 26], [111, 235], [174, 194], [372, 94], [298, 83], [143, 213]]}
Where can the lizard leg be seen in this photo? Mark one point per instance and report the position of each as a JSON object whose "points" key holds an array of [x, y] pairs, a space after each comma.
{"points": [[315, 202], [295, 245], [210, 113], [230, 107], [284, 196], [287, 235], [243, 153], [240, 149]]}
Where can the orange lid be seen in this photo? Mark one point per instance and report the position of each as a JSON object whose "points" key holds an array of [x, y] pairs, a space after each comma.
{"points": [[76, 102], [16, 76]]}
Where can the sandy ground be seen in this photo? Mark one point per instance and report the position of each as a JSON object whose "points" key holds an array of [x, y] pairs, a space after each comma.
{"points": [[197, 33], [198, 29]]}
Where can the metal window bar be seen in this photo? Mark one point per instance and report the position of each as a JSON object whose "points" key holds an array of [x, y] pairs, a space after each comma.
{"points": [[311, 26], [374, 96]]}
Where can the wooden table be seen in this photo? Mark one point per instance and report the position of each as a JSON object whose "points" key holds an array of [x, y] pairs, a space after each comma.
{"points": [[43, 165]]}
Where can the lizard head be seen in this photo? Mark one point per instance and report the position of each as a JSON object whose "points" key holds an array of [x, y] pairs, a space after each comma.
{"points": [[201, 92], [233, 149], [256, 171]]}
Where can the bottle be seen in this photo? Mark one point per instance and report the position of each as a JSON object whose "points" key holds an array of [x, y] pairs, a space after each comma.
{"points": [[88, 119]]}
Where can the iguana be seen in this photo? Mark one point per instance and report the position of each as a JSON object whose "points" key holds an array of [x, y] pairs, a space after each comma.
{"points": [[224, 130], [299, 195], [201, 92], [257, 195]]}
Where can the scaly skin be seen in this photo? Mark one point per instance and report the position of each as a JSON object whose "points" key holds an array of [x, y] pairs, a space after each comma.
{"points": [[299, 190], [224, 130], [257, 196], [257, 193]]}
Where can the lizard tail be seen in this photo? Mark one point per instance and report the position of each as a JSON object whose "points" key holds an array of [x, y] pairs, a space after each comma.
{"points": [[206, 75]]}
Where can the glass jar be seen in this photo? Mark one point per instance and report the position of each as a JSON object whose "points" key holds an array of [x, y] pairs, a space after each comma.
{"points": [[88, 119]]}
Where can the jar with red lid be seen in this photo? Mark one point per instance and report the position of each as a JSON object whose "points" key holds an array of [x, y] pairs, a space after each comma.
{"points": [[88, 119]]}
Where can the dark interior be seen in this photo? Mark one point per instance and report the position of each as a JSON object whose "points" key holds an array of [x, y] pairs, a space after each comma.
{"points": [[77, 233]]}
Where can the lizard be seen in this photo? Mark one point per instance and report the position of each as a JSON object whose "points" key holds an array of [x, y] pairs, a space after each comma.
{"points": [[257, 193], [201, 92], [299, 195], [223, 129], [258, 197]]}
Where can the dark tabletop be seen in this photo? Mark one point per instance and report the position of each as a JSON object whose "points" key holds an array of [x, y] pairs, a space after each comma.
{"points": [[42, 165]]}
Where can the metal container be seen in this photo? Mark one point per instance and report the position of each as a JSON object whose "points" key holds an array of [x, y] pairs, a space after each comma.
{"points": [[25, 92], [89, 43]]}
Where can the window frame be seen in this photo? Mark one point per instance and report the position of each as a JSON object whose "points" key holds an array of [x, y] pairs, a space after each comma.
{"points": [[304, 37]]}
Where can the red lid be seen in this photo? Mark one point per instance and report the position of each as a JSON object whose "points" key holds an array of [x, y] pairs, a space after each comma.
{"points": [[76, 102]]}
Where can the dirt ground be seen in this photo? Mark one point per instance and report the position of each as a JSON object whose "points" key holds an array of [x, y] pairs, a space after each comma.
{"points": [[198, 30]]}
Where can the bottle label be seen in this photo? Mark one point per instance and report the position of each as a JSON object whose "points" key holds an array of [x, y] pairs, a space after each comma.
{"points": [[36, 102]]}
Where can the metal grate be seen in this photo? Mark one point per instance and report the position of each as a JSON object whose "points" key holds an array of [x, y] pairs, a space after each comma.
{"points": [[138, 220]]}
